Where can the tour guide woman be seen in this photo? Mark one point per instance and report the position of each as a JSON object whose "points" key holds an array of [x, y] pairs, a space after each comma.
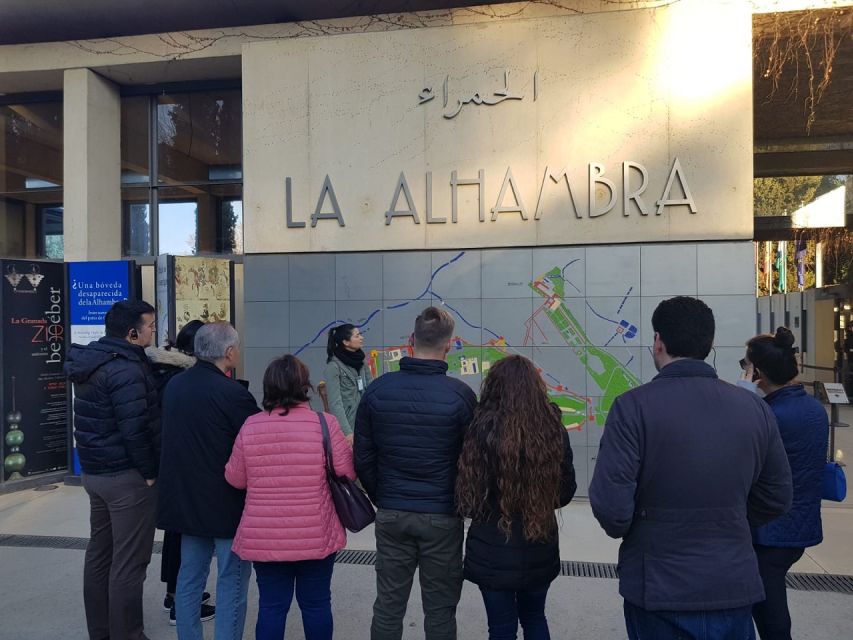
{"points": [[514, 471], [346, 374], [772, 365]]}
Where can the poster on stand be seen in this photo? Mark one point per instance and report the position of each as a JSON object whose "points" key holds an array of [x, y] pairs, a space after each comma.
{"points": [[93, 287], [32, 353], [193, 288]]}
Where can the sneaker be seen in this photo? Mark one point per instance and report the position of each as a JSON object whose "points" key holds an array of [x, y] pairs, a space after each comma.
{"points": [[208, 612], [169, 601]]}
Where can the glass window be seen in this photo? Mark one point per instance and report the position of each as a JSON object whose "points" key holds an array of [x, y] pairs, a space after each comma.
{"points": [[195, 206], [134, 140], [201, 219], [199, 137], [51, 240], [12, 228], [31, 147], [31, 180], [136, 222]]}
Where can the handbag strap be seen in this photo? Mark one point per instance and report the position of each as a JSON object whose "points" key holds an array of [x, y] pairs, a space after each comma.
{"points": [[327, 444]]}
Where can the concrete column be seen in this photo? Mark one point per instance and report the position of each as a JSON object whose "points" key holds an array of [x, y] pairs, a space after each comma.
{"points": [[92, 167]]}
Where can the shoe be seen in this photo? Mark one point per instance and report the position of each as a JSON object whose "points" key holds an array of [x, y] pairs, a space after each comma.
{"points": [[169, 601], [208, 612]]}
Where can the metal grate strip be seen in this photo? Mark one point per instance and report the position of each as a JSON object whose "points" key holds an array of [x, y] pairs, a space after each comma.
{"points": [[568, 568], [576, 569]]}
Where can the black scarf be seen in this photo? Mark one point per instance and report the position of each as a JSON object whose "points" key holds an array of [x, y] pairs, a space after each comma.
{"points": [[354, 359]]}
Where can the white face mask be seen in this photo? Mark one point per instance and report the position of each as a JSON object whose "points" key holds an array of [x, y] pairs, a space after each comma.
{"points": [[749, 385]]}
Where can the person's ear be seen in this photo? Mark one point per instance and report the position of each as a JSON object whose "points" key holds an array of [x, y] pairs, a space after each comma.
{"points": [[134, 334]]}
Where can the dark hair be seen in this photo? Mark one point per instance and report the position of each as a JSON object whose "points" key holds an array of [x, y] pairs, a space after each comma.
{"points": [[774, 355], [286, 384], [126, 315], [337, 335], [433, 328], [185, 341], [685, 326], [514, 443]]}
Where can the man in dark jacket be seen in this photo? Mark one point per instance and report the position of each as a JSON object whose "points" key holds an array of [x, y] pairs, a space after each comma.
{"points": [[408, 435], [687, 464], [203, 410], [117, 430]]}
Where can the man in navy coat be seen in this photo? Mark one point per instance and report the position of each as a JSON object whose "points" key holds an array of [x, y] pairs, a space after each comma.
{"points": [[687, 463]]}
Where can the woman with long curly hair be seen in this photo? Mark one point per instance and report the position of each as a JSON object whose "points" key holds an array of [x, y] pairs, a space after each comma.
{"points": [[514, 471]]}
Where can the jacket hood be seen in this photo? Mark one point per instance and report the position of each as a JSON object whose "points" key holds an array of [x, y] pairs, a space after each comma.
{"points": [[170, 357], [83, 361]]}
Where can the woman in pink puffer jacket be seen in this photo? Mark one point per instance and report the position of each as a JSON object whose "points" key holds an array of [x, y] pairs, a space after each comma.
{"points": [[289, 528]]}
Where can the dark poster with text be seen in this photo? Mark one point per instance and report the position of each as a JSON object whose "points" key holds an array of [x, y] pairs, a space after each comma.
{"points": [[32, 312]]}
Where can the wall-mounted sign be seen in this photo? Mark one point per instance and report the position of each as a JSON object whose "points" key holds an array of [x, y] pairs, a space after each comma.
{"points": [[588, 129], [32, 354]]}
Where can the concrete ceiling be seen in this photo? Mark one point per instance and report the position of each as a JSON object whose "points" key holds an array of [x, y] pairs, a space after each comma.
{"points": [[21, 21], [785, 144]]}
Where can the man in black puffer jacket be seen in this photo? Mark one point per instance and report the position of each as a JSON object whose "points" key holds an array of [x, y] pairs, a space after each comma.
{"points": [[408, 435], [117, 430]]}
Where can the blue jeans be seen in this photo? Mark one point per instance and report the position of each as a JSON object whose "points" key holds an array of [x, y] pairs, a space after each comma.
{"points": [[313, 581], [505, 609], [722, 624], [232, 587]]}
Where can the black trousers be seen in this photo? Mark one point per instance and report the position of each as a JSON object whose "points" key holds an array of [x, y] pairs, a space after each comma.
{"points": [[772, 618], [170, 561], [430, 543]]}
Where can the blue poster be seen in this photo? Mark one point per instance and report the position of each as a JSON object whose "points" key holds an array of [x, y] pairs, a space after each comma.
{"points": [[93, 288]]}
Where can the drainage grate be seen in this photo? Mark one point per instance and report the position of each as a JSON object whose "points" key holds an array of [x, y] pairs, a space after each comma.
{"points": [[353, 556], [588, 569], [573, 569], [53, 542], [820, 582]]}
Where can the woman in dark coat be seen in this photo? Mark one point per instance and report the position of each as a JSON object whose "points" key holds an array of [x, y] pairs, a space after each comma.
{"points": [[166, 363], [771, 363], [514, 471]]}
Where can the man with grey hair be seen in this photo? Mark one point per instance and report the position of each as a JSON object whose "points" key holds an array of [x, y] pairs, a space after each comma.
{"points": [[203, 410], [408, 436]]}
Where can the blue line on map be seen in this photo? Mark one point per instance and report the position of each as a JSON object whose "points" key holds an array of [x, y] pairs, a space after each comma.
{"points": [[562, 275], [599, 315], [607, 344], [463, 319], [623, 301], [375, 311], [553, 378], [630, 360]]}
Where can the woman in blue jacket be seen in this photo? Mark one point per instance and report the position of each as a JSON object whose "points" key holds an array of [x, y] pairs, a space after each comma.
{"points": [[771, 362]]}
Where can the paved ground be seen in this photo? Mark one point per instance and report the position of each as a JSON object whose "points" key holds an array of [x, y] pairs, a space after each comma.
{"points": [[41, 594]]}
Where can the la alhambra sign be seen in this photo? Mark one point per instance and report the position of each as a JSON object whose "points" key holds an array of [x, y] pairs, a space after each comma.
{"points": [[549, 131]]}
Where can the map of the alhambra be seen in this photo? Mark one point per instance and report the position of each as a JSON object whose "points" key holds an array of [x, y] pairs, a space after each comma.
{"points": [[584, 348]]}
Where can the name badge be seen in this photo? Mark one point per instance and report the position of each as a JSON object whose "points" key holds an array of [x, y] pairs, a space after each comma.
{"points": [[360, 384]]}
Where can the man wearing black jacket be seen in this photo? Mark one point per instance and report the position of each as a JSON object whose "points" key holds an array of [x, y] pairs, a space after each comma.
{"points": [[203, 411], [408, 435], [117, 430]]}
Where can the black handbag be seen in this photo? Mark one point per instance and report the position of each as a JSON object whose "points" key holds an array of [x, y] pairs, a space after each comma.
{"points": [[351, 503]]}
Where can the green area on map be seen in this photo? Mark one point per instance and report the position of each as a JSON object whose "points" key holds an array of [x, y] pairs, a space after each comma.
{"points": [[610, 375]]}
